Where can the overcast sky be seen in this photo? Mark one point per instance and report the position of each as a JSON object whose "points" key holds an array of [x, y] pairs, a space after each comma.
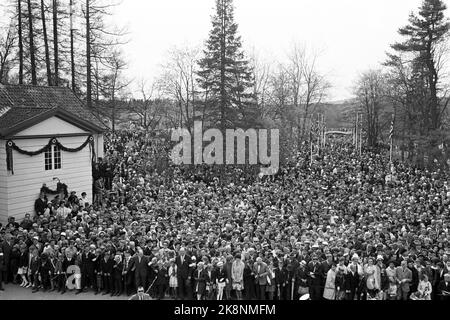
{"points": [[352, 35]]}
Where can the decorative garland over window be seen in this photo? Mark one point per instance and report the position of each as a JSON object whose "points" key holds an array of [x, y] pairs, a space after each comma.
{"points": [[10, 146]]}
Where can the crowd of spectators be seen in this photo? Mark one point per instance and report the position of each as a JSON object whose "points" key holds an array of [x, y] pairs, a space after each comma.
{"points": [[347, 227]]}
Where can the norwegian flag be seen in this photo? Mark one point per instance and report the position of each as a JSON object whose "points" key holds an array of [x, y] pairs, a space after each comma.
{"points": [[315, 130], [391, 133]]}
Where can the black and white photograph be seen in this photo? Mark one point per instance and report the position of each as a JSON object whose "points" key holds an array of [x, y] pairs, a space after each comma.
{"points": [[229, 152]]}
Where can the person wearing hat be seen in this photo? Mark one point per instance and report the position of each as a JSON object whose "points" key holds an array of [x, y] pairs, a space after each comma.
{"points": [[161, 281], [221, 279], [316, 275], [106, 269], [200, 278], [302, 279], [87, 268]]}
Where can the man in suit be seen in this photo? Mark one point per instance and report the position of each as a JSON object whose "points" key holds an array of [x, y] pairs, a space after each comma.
{"points": [[415, 276], [40, 205], [87, 268], [260, 270], [141, 295], [404, 276], [444, 288], [2, 260], [438, 277], [351, 283], [315, 273], [106, 267], [139, 264], [7, 249], [127, 274], [183, 261]]}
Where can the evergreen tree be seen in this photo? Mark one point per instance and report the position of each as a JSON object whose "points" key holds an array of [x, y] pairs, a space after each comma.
{"points": [[424, 34], [225, 74]]}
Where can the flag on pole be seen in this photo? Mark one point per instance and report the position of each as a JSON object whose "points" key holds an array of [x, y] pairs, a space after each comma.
{"points": [[391, 133]]}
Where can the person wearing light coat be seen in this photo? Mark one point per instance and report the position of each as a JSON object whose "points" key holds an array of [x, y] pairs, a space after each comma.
{"points": [[330, 284]]}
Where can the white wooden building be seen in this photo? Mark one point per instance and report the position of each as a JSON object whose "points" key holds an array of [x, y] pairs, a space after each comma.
{"points": [[32, 118]]}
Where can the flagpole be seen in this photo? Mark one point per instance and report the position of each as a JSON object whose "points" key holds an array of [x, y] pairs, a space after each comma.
{"points": [[391, 138], [310, 141]]}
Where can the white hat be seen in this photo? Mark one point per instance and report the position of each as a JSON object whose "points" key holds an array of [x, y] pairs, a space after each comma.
{"points": [[355, 256]]}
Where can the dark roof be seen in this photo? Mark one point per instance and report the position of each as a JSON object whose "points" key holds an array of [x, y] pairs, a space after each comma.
{"points": [[22, 105]]}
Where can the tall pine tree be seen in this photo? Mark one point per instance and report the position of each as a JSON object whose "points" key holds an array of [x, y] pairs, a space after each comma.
{"points": [[225, 75], [424, 34]]}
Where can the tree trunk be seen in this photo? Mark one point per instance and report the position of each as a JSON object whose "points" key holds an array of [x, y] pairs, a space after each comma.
{"points": [[88, 56], [19, 16], [32, 48], [47, 53], [55, 40]]}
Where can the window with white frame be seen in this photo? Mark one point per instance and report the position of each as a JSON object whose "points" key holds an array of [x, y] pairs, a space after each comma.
{"points": [[53, 159]]}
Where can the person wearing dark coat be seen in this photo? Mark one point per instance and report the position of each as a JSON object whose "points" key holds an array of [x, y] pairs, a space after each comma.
{"points": [[438, 275], [139, 265], [2, 266], [200, 277], [351, 283], [128, 275], [316, 275], [14, 263], [98, 271], [40, 205], [221, 279], [279, 280], [443, 289], [7, 246], [249, 281], [87, 269], [301, 281], [415, 277], [183, 261], [117, 276], [161, 281], [45, 270], [106, 269], [34, 270]]}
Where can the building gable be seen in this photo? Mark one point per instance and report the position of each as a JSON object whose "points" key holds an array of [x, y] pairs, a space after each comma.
{"points": [[54, 126]]}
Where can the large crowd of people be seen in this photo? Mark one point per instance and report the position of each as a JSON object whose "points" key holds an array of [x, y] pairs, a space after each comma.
{"points": [[347, 227]]}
